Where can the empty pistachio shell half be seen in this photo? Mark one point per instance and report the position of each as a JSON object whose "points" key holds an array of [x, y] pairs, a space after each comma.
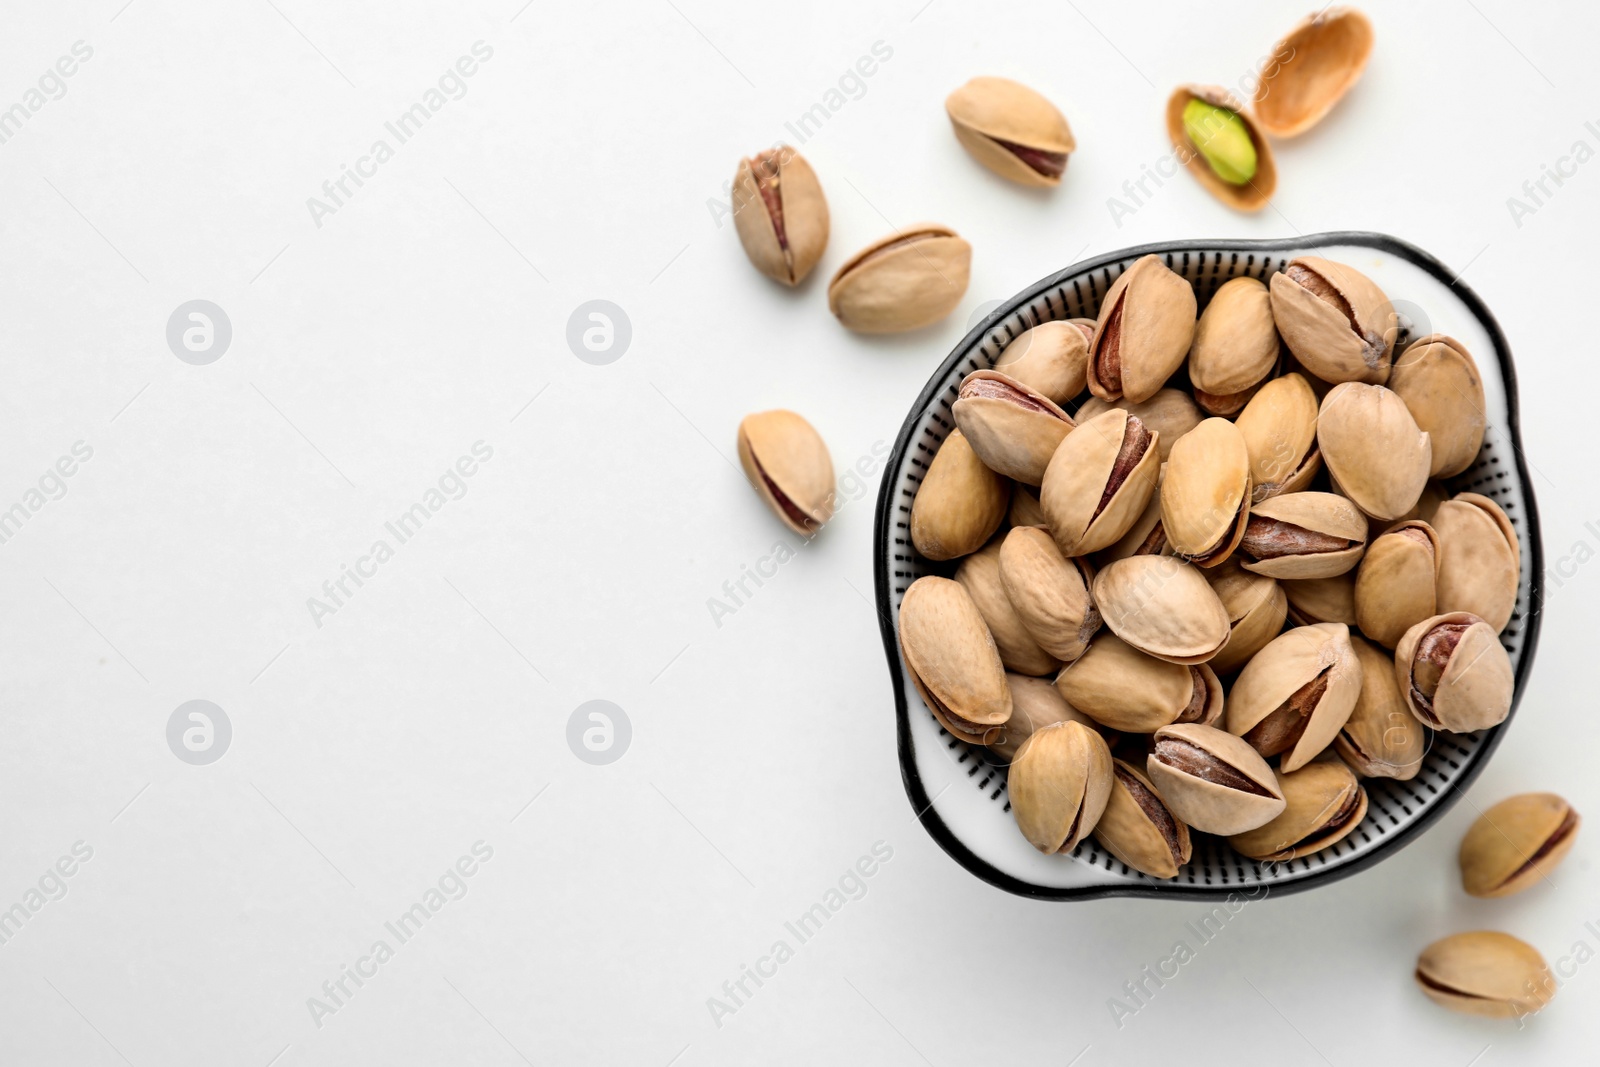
{"points": [[1205, 492], [1013, 429], [1035, 704], [1279, 426], [1170, 413], [979, 574], [1059, 783], [1311, 69], [1516, 843], [1314, 600], [780, 213], [1295, 695], [1051, 359], [1439, 381], [1143, 334], [1381, 739], [959, 504], [1486, 973], [1336, 321], [1325, 803], [1397, 584], [1454, 674], [1235, 341], [905, 281], [1099, 481], [1217, 140], [1304, 535], [953, 661], [1256, 607], [1480, 560], [1213, 781], [1025, 509], [1049, 592], [1374, 450], [788, 465], [1139, 829], [1012, 130], [1125, 690], [1163, 607]]}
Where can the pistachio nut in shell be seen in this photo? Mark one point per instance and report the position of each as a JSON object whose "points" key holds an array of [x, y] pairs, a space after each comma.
{"points": [[1143, 334], [1035, 704], [1163, 607], [1012, 130], [908, 280], [1125, 690], [1051, 359], [1516, 843], [1139, 829], [1295, 695], [979, 574], [1170, 413], [789, 467], [959, 503], [1314, 600], [780, 213], [1311, 69], [1013, 429], [1303, 535], [1205, 492], [1058, 784], [1145, 537], [1217, 140], [1279, 426], [1336, 321], [1381, 739], [1098, 482], [1480, 559], [1235, 342], [1050, 592], [1025, 509], [1397, 583], [1454, 674], [1375, 452], [1439, 381], [1324, 803], [1213, 781], [1487, 973], [953, 661], [1256, 607]]}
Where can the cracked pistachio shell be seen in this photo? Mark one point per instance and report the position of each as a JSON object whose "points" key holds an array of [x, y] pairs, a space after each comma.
{"points": [[959, 504], [1163, 607], [1250, 195], [1049, 592], [1311, 69], [1012, 130], [1396, 586], [1013, 429], [1304, 535], [1143, 334], [1439, 381], [1485, 973], [789, 467], [910, 279], [1051, 359], [1314, 600], [1088, 462], [953, 661], [1454, 674], [1279, 426], [1171, 413], [1213, 781], [1138, 828], [1296, 694], [1480, 559], [1374, 450], [1336, 321], [1324, 803], [1035, 704], [1381, 739], [1059, 783], [780, 213], [1145, 537], [1205, 492], [1025, 509], [979, 575], [1256, 607], [1125, 690], [1235, 342], [1516, 843]]}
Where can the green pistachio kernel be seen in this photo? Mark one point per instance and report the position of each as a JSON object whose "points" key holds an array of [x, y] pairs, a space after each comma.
{"points": [[1222, 140]]}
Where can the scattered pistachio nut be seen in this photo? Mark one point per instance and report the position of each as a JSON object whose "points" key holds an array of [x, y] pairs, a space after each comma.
{"points": [[1376, 454], [1439, 381], [1480, 559], [1205, 492], [1050, 592], [1012, 130], [1336, 321], [1381, 739], [788, 465], [1486, 973], [1397, 584], [1051, 359], [979, 574], [953, 661], [1235, 345], [1304, 535], [1170, 413], [959, 504], [1143, 333], [1454, 674], [1295, 695], [780, 213], [1013, 429], [1324, 803], [1126, 690], [1139, 829], [1059, 783], [1516, 843], [1163, 607], [1217, 140], [1035, 704], [1098, 482], [1311, 69], [905, 281], [1279, 426], [1213, 781]]}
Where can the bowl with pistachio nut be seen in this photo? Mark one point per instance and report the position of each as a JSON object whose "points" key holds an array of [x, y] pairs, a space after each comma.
{"points": [[1209, 566]]}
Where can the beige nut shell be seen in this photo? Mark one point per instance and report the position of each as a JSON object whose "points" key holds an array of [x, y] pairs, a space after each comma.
{"points": [[788, 465], [988, 111], [1051, 359], [959, 503], [1150, 312], [805, 218], [1254, 194], [1291, 661], [1209, 806], [952, 659], [1485, 973], [1014, 437], [1516, 843], [1163, 607], [1059, 783], [1314, 796], [1480, 558], [1076, 480], [1375, 452], [1476, 687], [1311, 69], [905, 281], [979, 575]]}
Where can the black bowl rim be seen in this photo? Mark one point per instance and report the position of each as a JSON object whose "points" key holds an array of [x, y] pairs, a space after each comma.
{"points": [[917, 793]]}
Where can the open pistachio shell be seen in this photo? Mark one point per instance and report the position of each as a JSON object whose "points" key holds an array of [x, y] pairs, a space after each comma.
{"points": [[1439, 381], [1051, 359], [1144, 331], [1145, 537], [1013, 429], [1485, 973], [1235, 341], [1138, 828], [953, 661], [1325, 803], [1314, 600], [1170, 413], [959, 504], [907, 280], [1516, 843], [1059, 783], [1279, 426], [1012, 130], [1035, 704], [1397, 584], [1454, 674], [1381, 739], [1336, 321], [1480, 560], [1051, 593], [1163, 607], [979, 574], [1250, 195], [1256, 607], [1125, 690], [1374, 450], [1099, 480], [1295, 695], [1304, 535], [780, 213], [788, 465], [1213, 781], [1205, 492], [1311, 69]]}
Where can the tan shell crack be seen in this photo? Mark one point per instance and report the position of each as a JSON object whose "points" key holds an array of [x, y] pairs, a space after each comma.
{"points": [[1281, 730], [1266, 538], [976, 729], [1562, 832], [765, 166], [1196, 709], [1153, 809], [1135, 443], [804, 521], [1417, 535], [1193, 760], [893, 246], [1335, 823], [1429, 661], [1434, 984], [1072, 831], [994, 389], [1049, 164], [1154, 543], [1371, 343], [1225, 540], [1108, 360]]}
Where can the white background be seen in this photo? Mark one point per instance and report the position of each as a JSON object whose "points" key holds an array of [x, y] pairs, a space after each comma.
{"points": [[368, 354]]}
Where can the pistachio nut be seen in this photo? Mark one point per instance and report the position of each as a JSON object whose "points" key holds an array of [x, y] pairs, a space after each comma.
{"points": [[1049, 592], [1314, 600], [1279, 426], [1336, 321], [1516, 843], [1480, 559], [1012, 130], [1304, 535], [1295, 695], [959, 503], [1059, 783], [1125, 690], [1374, 450], [953, 661], [979, 574], [1312, 68], [1439, 381], [1454, 674], [1381, 739], [1256, 607], [1486, 973], [788, 465], [1163, 607], [1051, 359], [1013, 429], [905, 281], [1213, 781], [1035, 704], [1397, 585], [1145, 537], [1170, 413], [1101, 477], [1433, 494], [1205, 492], [1145, 327], [1025, 509], [780, 213], [1139, 829], [1324, 803], [1235, 342], [1217, 140]]}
